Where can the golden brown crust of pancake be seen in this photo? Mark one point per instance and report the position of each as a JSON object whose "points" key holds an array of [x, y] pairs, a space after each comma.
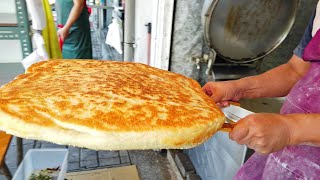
{"points": [[102, 97]]}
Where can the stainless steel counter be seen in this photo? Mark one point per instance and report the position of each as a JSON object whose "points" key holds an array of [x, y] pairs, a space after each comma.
{"points": [[8, 71]]}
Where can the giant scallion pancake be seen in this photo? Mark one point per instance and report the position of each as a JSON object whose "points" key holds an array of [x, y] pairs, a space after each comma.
{"points": [[107, 105]]}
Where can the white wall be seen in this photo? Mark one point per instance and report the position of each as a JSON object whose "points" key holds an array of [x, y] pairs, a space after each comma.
{"points": [[7, 6], [143, 15], [161, 33]]}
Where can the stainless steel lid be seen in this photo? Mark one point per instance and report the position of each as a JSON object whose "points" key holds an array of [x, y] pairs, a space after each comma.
{"points": [[246, 30]]}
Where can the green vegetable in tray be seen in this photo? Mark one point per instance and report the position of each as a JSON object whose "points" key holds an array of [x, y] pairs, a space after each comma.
{"points": [[40, 176], [45, 174]]}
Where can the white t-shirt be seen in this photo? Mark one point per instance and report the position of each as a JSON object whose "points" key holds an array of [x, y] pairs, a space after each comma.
{"points": [[316, 21]]}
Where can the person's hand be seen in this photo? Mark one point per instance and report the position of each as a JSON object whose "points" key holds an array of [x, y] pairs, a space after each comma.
{"points": [[265, 133], [63, 33], [223, 92]]}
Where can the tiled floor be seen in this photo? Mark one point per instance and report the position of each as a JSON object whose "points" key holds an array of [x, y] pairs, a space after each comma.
{"points": [[79, 159], [151, 165]]}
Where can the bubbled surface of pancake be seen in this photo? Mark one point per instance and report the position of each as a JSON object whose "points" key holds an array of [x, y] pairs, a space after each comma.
{"points": [[99, 97]]}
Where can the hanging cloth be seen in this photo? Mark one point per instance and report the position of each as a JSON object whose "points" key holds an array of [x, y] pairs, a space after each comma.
{"points": [[114, 36], [50, 33]]}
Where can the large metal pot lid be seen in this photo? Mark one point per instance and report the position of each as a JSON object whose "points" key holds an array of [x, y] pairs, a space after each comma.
{"points": [[247, 30]]}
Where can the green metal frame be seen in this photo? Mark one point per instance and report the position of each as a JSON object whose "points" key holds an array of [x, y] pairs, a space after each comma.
{"points": [[21, 31], [9, 33]]}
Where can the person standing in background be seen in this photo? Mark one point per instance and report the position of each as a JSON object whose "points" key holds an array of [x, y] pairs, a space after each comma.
{"points": [[74, 29]]}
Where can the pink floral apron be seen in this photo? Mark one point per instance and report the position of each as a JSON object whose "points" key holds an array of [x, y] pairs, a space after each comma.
{"points": [[293, 162]]}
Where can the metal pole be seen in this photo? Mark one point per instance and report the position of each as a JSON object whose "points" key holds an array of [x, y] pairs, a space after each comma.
{"points": [[129, 30], [19, 147]]}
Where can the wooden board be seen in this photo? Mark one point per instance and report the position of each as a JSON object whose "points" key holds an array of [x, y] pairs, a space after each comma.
{"points": [[120, 173], [4, 144]]}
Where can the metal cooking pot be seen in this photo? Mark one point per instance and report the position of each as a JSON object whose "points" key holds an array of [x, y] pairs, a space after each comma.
{"points": [[247, 30]]}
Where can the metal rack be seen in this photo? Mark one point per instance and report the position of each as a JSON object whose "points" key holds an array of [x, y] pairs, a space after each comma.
{"points": [[15, 26]]}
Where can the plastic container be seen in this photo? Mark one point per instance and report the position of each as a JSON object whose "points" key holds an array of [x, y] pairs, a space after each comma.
{"points": [[41, 159]]}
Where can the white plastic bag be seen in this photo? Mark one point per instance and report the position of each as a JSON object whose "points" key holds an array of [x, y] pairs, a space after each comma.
{"points": [[37, 14], [40, 54], [114, 36]]}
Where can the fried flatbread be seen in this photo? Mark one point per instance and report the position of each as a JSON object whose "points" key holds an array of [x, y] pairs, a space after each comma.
{"points": [[108, 105]]}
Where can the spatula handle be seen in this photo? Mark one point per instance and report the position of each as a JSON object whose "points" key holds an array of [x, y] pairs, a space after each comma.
{"points": [[235, 103], [227, 127]]}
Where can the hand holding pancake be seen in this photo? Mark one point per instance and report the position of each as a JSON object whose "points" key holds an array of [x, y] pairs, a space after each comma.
{"points": [[222, 92], [265, 133]]}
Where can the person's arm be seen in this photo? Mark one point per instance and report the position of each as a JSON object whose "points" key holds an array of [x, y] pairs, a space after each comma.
{"points": [[73, 16], [267, 133], [305, 129], [278, 81], [274, 83]]}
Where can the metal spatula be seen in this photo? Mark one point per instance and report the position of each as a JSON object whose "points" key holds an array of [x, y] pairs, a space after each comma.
{"points": [[233, 114]]}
